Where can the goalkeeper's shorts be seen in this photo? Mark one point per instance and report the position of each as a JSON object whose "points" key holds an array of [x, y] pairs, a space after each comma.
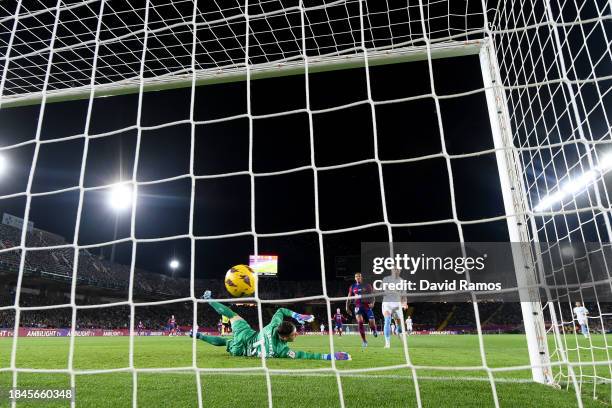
{"points": [[244, 335]]}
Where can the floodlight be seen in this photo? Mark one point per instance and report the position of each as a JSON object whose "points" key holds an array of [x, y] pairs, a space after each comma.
{"points": [[120, 197], [574, 186], [174, 264], [549, 200], [577, 184]]}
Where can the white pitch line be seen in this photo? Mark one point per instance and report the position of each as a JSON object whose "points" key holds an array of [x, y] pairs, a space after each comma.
{"points": [[367, 376], [382, 376], [425, 378]]}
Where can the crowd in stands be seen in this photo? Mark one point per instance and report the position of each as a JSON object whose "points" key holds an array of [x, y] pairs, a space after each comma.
{"points": [[58, 263], [110, 282], [118, 317], [426, 316]]}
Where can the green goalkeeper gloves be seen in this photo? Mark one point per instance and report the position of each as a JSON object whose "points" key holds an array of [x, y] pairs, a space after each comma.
{"points": [[338, 355]]}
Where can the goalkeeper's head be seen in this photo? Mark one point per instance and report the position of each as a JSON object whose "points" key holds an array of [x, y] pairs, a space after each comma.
{"points": [[287, 331]]}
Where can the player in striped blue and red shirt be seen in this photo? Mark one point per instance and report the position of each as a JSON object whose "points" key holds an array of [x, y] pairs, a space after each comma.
{"points": [[363, 307], [220, 327], [172, 326], [338, 320]]}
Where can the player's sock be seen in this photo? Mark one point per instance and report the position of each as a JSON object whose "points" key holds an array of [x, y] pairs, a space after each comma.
{"points": [[372, 324], [387, 328], [362, 331], [214, 340], [222, 309]]}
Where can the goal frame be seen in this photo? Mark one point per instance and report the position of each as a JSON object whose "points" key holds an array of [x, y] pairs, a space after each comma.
{"points": [[510, 173]]}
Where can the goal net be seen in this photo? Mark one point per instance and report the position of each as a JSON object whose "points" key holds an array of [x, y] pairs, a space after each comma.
{"points": [[225, 129]]}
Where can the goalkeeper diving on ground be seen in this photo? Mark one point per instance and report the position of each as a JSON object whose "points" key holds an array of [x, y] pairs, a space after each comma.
{"points": [[271, 341]]}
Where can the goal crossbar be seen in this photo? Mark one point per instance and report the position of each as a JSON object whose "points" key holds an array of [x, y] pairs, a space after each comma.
{"points": [[184, 78]]}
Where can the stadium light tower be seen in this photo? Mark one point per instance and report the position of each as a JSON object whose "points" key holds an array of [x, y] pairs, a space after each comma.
{"points": [[119, 199]]}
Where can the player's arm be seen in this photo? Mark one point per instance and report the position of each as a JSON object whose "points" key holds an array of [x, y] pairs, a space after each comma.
{"points": [[281, 313], [369, 291], [348, 302], [305, 355]]}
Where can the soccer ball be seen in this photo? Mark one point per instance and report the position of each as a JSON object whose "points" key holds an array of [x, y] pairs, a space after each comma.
{"points": [[240, 281]]}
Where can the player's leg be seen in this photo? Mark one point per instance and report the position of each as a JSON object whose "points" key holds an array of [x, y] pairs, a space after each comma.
{"points": [[372, 322], [213, 340], [361, 327], [221, 308], [387, 328], [398, 316]]}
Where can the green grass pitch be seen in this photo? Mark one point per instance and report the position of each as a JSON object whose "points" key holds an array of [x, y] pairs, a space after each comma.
{"points": [[384, 388]]}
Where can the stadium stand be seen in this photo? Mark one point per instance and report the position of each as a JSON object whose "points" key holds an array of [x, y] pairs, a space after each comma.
{"points": [[48, 275]]}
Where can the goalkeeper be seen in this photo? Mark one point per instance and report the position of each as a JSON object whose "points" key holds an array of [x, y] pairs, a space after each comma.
{"points": [[271, 341]]}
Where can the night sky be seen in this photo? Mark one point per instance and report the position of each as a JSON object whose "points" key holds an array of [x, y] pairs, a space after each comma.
{"points": [[415, 192]]}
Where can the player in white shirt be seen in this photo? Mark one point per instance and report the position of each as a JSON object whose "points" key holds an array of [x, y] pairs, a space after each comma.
{"points": [[409, 325], [322, 328], [392, 305], [581, 313]]}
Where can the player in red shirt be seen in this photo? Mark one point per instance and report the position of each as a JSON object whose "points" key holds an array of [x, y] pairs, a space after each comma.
{"points": [[220, 327], [140, 327], [363, 307], [172, 326], [338, 320]]}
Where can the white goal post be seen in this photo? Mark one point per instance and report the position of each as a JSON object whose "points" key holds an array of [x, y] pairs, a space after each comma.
{"points": [[516, 210]]}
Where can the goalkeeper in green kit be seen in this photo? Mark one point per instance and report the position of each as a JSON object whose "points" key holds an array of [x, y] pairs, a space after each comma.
{"points": [[271, 341]]}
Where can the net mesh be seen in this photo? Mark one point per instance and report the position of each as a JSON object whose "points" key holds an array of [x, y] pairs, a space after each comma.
{"points": [[551, 65], [330, 30], [554, 61]]}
